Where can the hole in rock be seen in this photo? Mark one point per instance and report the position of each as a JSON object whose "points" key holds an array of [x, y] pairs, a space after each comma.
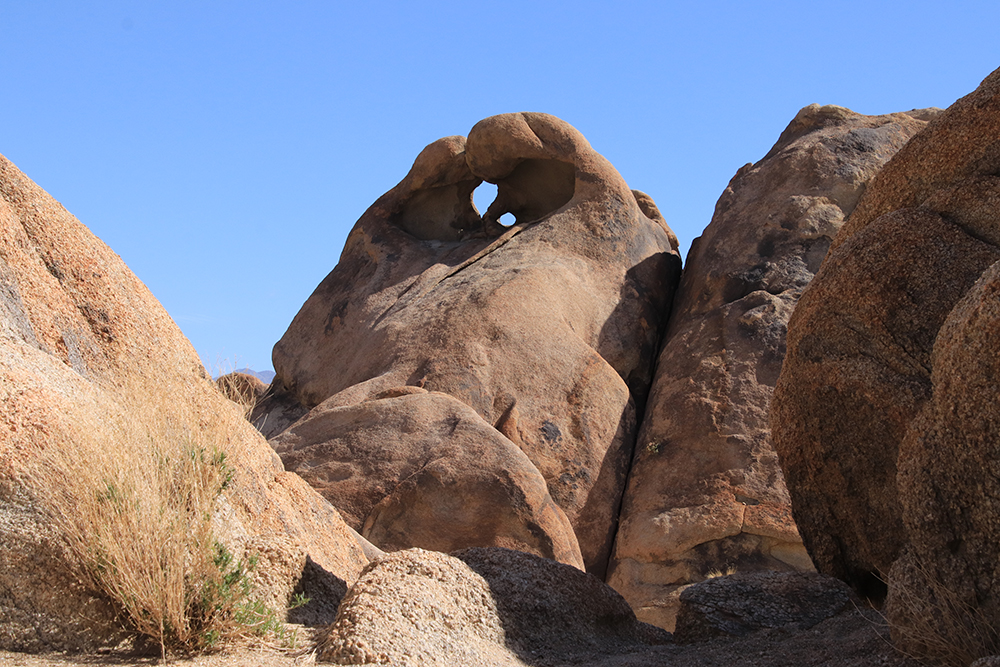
{"points": [[532, 190], [872, 587], [485, 195], [536, 188]]}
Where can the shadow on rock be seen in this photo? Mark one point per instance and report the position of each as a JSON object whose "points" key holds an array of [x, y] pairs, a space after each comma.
{"points": [[323, 590]]}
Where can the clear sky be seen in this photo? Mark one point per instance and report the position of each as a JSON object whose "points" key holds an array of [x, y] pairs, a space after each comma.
{"points": [[225, 149]]}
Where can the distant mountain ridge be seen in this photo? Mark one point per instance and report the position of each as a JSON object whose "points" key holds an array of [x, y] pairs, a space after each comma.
{"points": [[264, 376]]}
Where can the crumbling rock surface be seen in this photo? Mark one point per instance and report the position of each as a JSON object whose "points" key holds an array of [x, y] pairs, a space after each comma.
{"points": [[551, 610], [417, 607], [547, 328], [742, 603], [945, 579], [82, 341], [481, 607], [706, 491]]}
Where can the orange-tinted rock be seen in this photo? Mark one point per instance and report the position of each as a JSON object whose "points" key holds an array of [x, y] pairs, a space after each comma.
{"points": [[546, 329], [82, 342], [422, 469], [858, 371], [706, 491]]}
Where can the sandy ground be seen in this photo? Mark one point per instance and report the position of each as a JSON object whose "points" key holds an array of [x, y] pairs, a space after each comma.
{"points": [[852, 639], [244, 658]]}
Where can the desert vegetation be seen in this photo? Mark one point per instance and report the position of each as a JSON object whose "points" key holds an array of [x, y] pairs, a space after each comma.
{"points": [[935, 623], [141, 529]]}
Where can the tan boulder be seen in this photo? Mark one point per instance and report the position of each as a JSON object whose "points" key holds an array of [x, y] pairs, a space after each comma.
{"points": [[706, 491], [546, 329], [481, 607], [858, 368], [96, 379], [243, 389], [417, 607], [421, 469]]}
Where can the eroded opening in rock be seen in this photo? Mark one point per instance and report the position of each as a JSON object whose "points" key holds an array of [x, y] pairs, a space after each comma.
{"points": [[485, 195], [533, 190]]}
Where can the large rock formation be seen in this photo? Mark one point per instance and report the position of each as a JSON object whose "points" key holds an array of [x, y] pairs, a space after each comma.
{"points": [[859, 360], [706, 491], [92, 367], [546, 329], [884, 414]]}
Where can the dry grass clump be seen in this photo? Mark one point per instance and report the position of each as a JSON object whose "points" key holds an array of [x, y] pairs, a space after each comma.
{"points": [[719, 572], [932, 623], [244, 390], [134, 496]]}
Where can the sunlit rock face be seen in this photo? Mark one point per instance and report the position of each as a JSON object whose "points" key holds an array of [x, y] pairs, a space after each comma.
{"points": [[483, 607], [92, 369], [455, 480], [885, 414], [547, 329], [706, 492]]}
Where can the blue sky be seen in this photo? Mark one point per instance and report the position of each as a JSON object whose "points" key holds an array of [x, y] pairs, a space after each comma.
{"points": [[225, 149]]}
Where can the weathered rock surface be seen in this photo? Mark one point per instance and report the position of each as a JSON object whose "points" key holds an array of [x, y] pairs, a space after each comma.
{"points": [[859, 365], [944, 584], [706, 491], [413, 468], [480, 607], [546, 329], [417, 607], [739, 604], [548, 608], [959, 147], [81, 340]]}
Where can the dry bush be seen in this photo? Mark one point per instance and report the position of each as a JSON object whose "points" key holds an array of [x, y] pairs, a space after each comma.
{"points": [[719, 572], [134, 496], [244, 390], [933, 623]]}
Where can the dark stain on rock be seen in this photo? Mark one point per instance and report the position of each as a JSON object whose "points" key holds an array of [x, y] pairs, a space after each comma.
{"points": [[745, 282], [551, 432]]}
